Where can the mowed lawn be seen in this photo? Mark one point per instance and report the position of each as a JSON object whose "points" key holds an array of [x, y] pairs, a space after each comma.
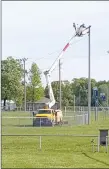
{"points": [[56, 152]]}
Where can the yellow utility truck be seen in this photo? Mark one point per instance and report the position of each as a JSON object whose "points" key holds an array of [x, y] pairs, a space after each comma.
{"points": [[47, 117]]}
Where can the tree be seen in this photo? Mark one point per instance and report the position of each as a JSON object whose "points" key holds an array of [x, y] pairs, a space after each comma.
{"points": [[34, 88], [80, 88], [67, 95], [101, 82], [11, 76]]}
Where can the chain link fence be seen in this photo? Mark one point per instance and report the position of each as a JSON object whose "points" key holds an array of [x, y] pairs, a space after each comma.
{"points": [[55, 142], [71, 116], [30, 121], [96, 112]]}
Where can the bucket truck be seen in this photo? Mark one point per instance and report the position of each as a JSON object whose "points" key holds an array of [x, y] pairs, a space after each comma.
{"points": [[49, 116]]}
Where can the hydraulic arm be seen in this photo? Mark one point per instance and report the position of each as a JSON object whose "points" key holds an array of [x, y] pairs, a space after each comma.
{"points": [[79, 31]]}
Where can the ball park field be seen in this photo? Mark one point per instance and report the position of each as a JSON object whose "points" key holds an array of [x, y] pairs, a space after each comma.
{"points": [[56, 151]]}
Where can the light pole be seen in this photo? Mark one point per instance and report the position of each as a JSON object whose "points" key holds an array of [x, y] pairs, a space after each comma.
{"points": [[60, 96], [108, 98], [108, 92], [89, 80], [79, 98], [24, 60], [74, 104], [80, 31]]}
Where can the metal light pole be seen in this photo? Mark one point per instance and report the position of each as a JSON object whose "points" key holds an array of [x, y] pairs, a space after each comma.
{"points": [[24, 60], [0, 72], [79, 98], [74, 103], [108, 93], [80, 31], [60, 96], [108, 97], [89, 79]]}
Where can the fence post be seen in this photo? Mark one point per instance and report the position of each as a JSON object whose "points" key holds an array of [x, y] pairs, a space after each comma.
{"points": [[40, 143], [79, 110], [98, 143], [106, 144], [92, 145], [83, 119], [95, 114], [105, 114], [65, 110]]}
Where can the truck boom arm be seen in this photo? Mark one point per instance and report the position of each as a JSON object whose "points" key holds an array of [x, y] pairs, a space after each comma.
{"points": [[48, 74], [78, 32], [50, 90]]}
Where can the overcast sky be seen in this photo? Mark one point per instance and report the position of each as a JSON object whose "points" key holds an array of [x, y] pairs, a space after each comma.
{"points": [[39, 31]]}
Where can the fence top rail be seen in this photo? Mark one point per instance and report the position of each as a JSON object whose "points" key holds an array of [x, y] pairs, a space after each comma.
{"points": [[50, 135], [31, 117], [20, 117]]}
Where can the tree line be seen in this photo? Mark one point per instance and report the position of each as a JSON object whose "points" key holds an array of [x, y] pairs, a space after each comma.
{"points": [[12, 82], [12, 86], [78, 88]]}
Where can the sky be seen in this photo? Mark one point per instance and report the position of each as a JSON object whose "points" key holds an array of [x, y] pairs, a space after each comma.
{"points": [[39, 30]]}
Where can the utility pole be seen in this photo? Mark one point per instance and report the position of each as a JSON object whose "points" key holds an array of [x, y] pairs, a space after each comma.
{"points": [[89, 80], [0, 73], [80, 31], [24, 60], [79, 98], [108, 93], [60, 96], [74, 103]]}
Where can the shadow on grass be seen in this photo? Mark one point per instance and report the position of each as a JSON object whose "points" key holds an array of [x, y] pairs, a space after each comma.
{"points": [[96, 159]]}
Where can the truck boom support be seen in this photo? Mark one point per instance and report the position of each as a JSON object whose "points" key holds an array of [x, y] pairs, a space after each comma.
{"points": [[78, 32]]}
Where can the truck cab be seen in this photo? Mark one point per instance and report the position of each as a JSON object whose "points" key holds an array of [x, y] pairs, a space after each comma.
{"points": [[44, 117]]}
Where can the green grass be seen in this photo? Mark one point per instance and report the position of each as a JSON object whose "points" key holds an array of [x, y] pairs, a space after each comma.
{"points": [[57, 152]]}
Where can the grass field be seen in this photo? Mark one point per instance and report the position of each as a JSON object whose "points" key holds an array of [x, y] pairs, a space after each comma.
{"points": [[57, 152]]}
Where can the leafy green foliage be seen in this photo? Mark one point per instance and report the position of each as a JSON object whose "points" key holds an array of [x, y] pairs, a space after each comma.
{"points": [[13, 88], [79, 88], [34, 88], [11, 76], [66, 92]]}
